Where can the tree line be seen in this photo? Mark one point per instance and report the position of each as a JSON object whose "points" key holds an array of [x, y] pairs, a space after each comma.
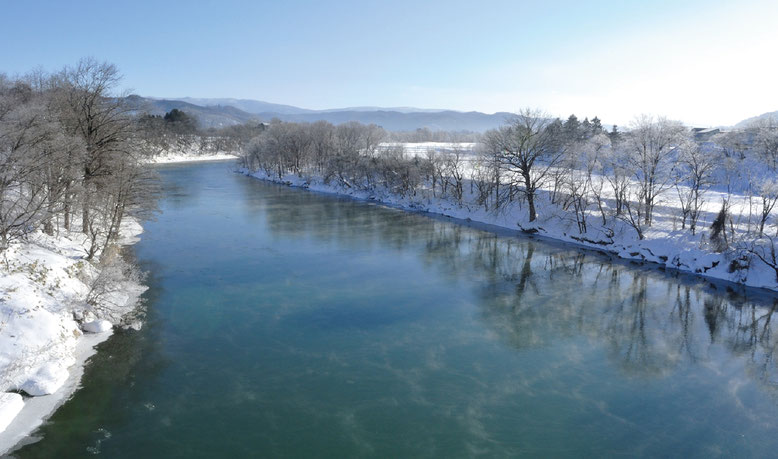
{"points": [[580, 168], [70, 156]]}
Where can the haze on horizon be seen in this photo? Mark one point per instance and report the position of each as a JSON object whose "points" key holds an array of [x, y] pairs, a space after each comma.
{"points": [[705, 63]]}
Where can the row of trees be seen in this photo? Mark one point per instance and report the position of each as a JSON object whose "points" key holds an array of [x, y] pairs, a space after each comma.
{"points": [[70, 156], [179, 132], [578, 167]]}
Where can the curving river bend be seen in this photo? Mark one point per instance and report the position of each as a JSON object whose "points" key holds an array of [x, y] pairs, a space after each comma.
{"points": [[287, 323]]}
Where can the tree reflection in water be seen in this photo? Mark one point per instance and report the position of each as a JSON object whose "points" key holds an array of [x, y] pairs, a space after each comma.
{"points": [[650, 321]]}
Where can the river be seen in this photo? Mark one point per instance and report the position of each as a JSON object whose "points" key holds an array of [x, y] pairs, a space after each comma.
{"points": [[282, 322]]}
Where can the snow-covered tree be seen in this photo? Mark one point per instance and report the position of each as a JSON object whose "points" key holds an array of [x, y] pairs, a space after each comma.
{"points": [[526, 148], [651, 144], [693, 177]]}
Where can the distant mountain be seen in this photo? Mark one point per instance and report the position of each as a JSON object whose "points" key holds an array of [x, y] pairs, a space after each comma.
{"points": [[247, 105], [447, 120], [258, 106], [763, 116], [216, 116], [385, 109], [225, 112]]}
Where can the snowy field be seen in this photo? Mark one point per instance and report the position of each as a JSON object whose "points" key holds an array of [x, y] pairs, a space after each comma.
{"points": [[47, 328], [421, 148]]}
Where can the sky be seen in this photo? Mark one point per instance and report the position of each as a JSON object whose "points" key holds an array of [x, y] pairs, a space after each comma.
{"points": [[706, 63]]}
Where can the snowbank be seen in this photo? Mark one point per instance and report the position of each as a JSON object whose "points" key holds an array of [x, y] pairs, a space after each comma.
{"points": [[97, 326], [10, 406], [47, 379], [663, 244], [36, 409], [44, 282]]}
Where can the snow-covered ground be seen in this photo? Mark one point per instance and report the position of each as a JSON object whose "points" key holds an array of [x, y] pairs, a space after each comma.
{"points": [[421, 148], [188, 157], [47, 329], [184, 150], [665, 242]]}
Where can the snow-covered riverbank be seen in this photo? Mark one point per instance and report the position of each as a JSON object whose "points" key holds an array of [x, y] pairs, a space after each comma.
{"points": [[664, 243], [48, 328], [189, 157]]}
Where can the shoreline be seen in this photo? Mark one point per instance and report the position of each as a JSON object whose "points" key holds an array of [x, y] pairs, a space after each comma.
{"points": [[37, 410], [634, 253], [185, 158]]}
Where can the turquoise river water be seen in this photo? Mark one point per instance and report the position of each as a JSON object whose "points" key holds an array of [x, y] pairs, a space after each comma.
{"points": [[282, 322]]}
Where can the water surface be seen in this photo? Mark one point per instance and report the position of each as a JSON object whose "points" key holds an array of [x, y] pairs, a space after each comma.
{"points": [[287, 323]]}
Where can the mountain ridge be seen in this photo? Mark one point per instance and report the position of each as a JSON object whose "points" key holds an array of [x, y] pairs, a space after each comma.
{"points": [[220, 112], [226, 111], [764, 116]]}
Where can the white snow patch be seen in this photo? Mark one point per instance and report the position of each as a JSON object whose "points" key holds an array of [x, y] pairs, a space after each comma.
{"points": [[11, 405], [38, 409], [47, 380], [97, 326]]}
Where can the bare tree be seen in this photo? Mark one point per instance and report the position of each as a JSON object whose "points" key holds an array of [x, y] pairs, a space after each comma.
{"points": [[486, 178], [768, 192], [526, 147], [24, 131], [652, 143], [693, 178], [763, 248], [616, 170], [65, 140], [454, 172], [102, 122], [765, 141], [597, 150]]}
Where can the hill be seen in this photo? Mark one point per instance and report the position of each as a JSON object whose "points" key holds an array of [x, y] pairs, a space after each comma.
{"points": [[753, 119], [225, 112], [210, 116]]}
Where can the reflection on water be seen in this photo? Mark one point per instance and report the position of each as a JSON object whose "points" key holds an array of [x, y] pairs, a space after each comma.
{"points": [[650, 321], [283, 322]]}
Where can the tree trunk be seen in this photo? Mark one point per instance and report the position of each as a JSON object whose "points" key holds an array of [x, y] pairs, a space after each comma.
{"points": [[85, 215], [530, 192], [531, 203]]}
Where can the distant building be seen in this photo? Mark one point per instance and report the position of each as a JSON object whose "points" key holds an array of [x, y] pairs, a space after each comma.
{"points": [[704, 134]]}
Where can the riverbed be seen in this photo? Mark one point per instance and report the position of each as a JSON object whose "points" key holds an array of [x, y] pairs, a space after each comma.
{"points": [[282, 322]]}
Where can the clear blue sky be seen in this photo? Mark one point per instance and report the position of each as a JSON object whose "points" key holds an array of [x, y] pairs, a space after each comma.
{"points": [[705, 62]]}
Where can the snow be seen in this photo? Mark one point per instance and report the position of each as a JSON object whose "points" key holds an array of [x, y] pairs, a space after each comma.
{"points": [[187, 157], [187, 151], [10, 406], [44, 281], [97, 326], [47, 379], [664, 244], [421, 148], [37, 409]]}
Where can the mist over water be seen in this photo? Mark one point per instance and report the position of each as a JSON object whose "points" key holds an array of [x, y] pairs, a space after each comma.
{"points": [[287, 323]]}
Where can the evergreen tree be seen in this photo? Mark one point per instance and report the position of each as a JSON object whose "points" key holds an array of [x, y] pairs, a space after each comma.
{"points": [[180, 121], [586, 129], [615, 135], [572, 128], [596, 126]]}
